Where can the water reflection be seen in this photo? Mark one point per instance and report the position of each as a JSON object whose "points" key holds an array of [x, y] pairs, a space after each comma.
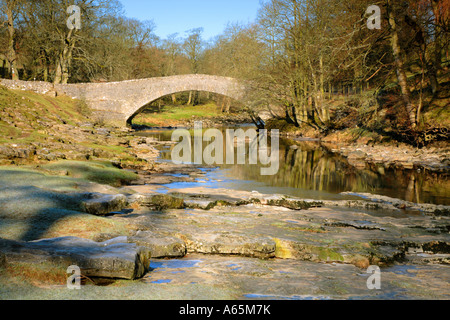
{"points": [[312, 167], [308, 170]]}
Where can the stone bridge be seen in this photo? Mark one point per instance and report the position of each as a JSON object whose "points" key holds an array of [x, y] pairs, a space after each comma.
{"points": [[119, 102]]}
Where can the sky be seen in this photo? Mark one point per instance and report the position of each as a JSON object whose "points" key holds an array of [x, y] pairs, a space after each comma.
{"points": [[179, 16]]}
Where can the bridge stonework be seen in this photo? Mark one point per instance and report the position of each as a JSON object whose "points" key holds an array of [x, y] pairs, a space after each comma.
{"points": [[118, 102]]}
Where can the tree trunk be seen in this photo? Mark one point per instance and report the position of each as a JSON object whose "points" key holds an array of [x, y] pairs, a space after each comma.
{"points": [[2, 69], [308, 103], [228, 105], [323, 107], [438, 31], [196, 99], [400, 68], [432, 75], [11, 55], [287, 115], [422, 84], [45, 65], [65, 59], [221, 102]]}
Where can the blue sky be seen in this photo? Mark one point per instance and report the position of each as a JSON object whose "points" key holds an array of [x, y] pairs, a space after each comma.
{"points": [[178, 16]]}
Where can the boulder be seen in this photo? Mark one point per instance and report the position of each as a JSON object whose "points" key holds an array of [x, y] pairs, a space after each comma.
{"points": [[105, 204], [110, 259], [199, 204]]}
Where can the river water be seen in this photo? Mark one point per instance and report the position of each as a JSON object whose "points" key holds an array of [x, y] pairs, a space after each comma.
{"points": [[309, 171]]}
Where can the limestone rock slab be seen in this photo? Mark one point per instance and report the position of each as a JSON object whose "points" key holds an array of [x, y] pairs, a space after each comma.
{"points": [[111, 259], [160, 246], [232, 244]]}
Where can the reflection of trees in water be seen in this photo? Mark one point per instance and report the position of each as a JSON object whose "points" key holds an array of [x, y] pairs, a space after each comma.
{"points": [[313, 168], [418, 186], [413, 190]]}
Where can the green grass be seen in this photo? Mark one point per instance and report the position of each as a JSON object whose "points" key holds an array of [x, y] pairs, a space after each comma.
{"points": [[27, 176], [438, 113], [186, 112], [172, 114], [24, 115], [7, 132], [65, 108], [94, 171], [117, 150]]}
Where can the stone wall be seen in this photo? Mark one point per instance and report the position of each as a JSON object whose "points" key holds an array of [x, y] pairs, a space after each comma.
{"points": [[34, 86]]}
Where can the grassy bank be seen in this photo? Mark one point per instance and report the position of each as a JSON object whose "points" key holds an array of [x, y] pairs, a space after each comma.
{"points": [[38, 128], [26, 116], [177, 115]]}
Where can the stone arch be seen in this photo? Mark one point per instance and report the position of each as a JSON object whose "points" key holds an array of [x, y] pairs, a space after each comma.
{"points": [[142, 108], [117, 102]]}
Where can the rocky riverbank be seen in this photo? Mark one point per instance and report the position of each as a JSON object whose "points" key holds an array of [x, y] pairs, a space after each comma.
{"points": [[372, 149], [388, 156]]}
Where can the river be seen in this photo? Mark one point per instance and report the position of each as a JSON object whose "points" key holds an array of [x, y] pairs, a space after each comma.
{"points": [[308, 170]]}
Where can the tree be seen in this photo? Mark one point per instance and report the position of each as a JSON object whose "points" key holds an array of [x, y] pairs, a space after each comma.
{"points": [[10, 7], [146, 57], [60, 46], [172, 49], [193, 48], [399, 62]]}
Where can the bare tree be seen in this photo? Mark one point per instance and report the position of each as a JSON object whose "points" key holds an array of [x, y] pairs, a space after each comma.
{"points": [[400, 64], [10, 7], [193, 48]]}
